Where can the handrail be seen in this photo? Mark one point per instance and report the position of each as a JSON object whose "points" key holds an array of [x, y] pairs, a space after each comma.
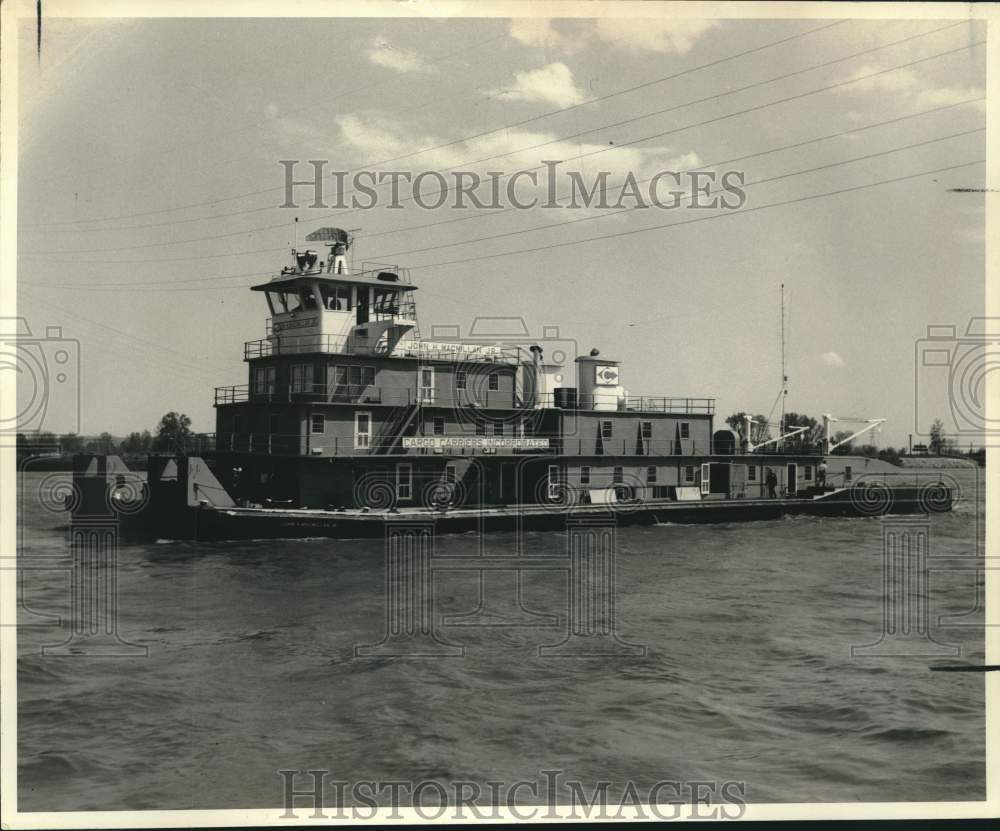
{"points": [[463, 399], [353, 345]]}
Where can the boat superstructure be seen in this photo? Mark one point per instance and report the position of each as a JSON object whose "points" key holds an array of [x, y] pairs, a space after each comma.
{"points": [[347, 411]]}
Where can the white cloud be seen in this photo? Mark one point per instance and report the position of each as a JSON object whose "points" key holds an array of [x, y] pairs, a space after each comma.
{"points": [[552, 84], [534, 31], [375, 138], [642, 35], [832, 359], [383, 53], [907, 87], [653, 35]]}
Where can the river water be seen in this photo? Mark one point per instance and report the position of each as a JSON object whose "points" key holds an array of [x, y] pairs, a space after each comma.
{"points": [[747, 675]]}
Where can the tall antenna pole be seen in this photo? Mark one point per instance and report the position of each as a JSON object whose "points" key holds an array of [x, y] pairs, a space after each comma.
{"points": [[351, 237], [784, 373]]}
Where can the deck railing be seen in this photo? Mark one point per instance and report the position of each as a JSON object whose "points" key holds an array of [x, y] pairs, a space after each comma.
{"points": [[289, 344], [568, 447], [461, 399]]}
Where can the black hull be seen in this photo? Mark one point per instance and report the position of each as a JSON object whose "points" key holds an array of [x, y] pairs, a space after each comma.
{"points": [[209, 523]]}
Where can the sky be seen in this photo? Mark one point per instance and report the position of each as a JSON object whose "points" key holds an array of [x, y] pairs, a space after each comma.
{"points": [[150, 191]]}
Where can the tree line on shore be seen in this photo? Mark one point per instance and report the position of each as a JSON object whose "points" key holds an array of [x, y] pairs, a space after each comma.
{"points": [[938, 444], [171, 433]]}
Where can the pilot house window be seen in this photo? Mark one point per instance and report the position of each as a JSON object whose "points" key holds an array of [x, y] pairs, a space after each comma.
{"points": [[264, 380], [354, 376], [685, 430], [494, 382], [302, 377], [336, 298]]}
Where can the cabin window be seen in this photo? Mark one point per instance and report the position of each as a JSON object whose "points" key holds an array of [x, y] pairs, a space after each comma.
{"points": [[498, 428], [494, 382], [685, 429], [807, 473], [265, 380], [385, 302], [357, 377], [607, 428], [847, 474], [461, 377], [302, 377], [480, 428], [661, 492], [752, 473], [645, 437], [362, 431], [689, 473], [438, 426], [585, 475], [618, 476], [449, 474], [336, 298], [319, 423], [404, 482], [554, 482], [651, 474], [308, 298]]}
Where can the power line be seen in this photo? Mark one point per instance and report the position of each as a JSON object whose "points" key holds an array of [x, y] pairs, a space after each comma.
{"points": [[716, 119], [508, 126], [707, 98], [492, 213], [667, 226], [214, 278], [741, 212], [278, 117], [707, 193]]}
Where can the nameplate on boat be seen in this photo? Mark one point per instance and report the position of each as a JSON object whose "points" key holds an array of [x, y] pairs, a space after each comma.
{"points": [[475, 443], [301, 323], [465, 350]]}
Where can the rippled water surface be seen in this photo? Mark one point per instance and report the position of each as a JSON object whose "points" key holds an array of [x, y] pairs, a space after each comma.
{"points": [[748, 673]]}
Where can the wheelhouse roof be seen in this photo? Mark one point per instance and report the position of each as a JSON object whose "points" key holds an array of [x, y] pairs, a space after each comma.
{"points": [[286, 282]]}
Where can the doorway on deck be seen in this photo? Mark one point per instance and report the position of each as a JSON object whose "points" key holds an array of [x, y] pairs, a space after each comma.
{"points": [[792, 481]]}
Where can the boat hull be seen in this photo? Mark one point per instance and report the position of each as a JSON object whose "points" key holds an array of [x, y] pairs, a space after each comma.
{"points": [[209, 523]]}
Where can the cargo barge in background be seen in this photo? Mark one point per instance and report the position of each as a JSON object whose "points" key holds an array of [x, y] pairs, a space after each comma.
{"points": [[350, 419]]}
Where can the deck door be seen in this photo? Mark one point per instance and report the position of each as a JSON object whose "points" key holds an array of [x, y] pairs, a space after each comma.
{"points": [[425, 385], [793, 478]]}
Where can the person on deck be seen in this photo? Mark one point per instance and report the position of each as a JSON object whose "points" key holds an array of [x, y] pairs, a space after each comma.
{"points": [[337, 264], [821, 474], [772, 482]]}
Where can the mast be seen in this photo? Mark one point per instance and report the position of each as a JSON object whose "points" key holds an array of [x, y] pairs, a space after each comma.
{"points": [[784, 371]]}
